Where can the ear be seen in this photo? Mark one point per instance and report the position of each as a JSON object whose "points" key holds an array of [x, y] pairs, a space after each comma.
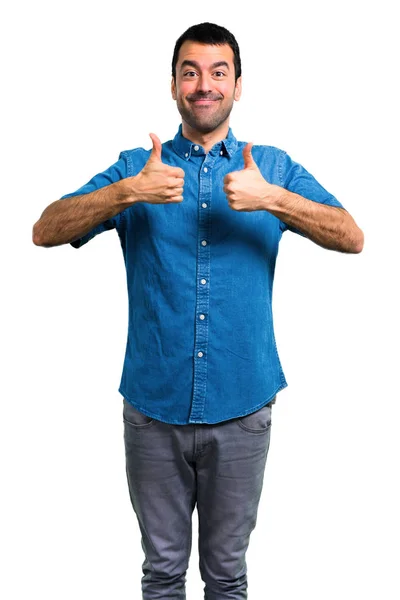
{"points": [[173, 89], [238, 88]]}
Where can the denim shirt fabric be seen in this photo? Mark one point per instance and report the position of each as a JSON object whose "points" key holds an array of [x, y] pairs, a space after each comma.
{"points": [[201, 346]]}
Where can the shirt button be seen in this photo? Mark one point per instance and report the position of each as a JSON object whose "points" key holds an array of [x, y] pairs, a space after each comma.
{"points": [[203, 281], [186, 154], [202, 317], [205, 169], [204, 243], [196, 148], [200, 354], [221, 153], [204, 205]]}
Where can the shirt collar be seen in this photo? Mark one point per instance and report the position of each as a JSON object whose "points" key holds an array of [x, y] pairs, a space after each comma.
{"points": [[185, 147]]}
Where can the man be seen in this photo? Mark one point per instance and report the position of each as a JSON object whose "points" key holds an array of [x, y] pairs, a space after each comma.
{"points": [[199, 219]]}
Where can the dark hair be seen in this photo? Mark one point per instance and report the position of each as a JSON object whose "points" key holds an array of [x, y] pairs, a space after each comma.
{"points": [[208, 33]]}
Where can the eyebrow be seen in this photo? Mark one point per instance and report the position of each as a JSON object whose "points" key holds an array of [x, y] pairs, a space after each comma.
{"points": [[193, 63]]}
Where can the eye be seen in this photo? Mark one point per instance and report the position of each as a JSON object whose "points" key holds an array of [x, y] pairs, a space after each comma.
{"points": [[189, 73], [220, 72]]}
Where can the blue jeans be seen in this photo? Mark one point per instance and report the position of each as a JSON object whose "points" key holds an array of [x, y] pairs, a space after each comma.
{"points": [[170, 468]]}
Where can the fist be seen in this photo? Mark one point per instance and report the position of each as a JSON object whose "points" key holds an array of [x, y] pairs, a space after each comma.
{"points": [[246, 189], [158, 183]]}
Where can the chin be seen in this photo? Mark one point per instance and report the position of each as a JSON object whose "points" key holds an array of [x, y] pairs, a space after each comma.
{"points": [[201, 128], [205, 126]]}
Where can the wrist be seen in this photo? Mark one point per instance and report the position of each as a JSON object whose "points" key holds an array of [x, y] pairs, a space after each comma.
{"points": [[127, 191], [273, 196]]}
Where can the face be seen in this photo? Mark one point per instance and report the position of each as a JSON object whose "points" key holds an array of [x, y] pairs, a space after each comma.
{"points": [[205, 86]]}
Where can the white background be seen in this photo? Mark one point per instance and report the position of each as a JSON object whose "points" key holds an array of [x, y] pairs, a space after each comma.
{"points": [[83, 81]]}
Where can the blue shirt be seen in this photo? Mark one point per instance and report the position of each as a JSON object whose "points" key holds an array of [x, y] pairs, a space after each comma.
{"points": [[201, 346]]}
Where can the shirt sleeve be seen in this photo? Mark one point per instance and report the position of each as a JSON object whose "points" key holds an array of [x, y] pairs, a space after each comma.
{"points": [[297, 179], [117, 171]]}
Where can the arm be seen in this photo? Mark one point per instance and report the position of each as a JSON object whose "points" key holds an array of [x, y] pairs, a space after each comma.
{"points": [[68, 219], [328, 226]]}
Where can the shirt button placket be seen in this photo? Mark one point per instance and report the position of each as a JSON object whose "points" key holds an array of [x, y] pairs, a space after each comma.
{"points": [[203, 291]]}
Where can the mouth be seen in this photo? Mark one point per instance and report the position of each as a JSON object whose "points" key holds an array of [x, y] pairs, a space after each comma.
{"points": [[203, 102]]}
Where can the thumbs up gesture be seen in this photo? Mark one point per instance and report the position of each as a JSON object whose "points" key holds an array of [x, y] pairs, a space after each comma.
{"points": [[158, 183], [246, 190]]}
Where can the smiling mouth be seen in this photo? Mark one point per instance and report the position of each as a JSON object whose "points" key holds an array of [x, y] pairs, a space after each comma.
{"points": [[203, 102]]}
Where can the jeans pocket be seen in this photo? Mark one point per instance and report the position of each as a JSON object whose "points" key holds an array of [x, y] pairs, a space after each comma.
{"points": [[133, 416], [258, 421]]}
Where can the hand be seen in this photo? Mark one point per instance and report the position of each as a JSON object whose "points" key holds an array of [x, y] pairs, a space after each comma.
{"points": [[246, 190], [158, 183]]}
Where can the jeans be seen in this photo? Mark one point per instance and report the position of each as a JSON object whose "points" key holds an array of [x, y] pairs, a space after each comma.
{"points": [[169, 469]]}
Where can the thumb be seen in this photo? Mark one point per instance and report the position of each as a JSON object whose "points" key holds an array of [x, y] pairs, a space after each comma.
{"points": [[249, 162], [156, 151]]}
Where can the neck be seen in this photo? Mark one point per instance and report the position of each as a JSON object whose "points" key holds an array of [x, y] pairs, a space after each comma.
{"points": [[207, 140]]}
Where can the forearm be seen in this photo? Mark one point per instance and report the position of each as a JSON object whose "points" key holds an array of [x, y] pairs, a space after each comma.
{"points": [[328, 226], [68, 219]]}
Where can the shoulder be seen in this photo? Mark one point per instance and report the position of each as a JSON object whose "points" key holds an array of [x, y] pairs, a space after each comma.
{"points": [[270, 160], [265, 154], [135, 159], [262, 149]]}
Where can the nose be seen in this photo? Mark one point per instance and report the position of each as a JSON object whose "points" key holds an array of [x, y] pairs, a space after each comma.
{"points": [[204, 83]]}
